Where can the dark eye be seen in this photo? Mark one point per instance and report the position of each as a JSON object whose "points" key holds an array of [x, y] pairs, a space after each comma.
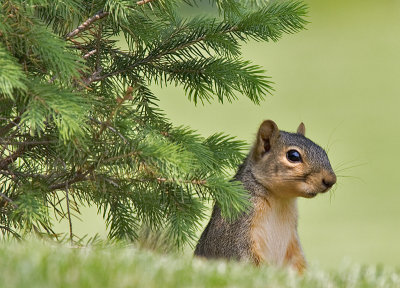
{"points": [[293, 156]]}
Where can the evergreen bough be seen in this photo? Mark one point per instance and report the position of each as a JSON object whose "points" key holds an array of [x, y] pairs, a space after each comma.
{"points": [[79, 124]]}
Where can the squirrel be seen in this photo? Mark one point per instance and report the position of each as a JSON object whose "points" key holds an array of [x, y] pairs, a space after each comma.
{"points": [[280, 167]]}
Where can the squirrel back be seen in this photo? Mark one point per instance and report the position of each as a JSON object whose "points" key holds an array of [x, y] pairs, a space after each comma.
{"points": [[280, 167]]}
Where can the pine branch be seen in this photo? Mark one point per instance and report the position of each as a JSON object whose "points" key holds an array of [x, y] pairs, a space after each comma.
{"points": [[108, 126], [119, 157], [265, 24], [9, 230], [86, 122], [143, 2], [69, 214], [5, 129], [90, 53], [181, 181], [23, 175], [8, 200], [85, 25], [154, 56], [78, 177], [4, 163], [148, 59], [37, 142]]}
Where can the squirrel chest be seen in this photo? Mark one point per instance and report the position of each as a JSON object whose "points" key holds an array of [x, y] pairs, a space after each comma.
{"points": [[272, 230]]}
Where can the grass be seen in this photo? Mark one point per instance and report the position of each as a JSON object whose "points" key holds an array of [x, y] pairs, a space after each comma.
{"points": [[50, 265]]}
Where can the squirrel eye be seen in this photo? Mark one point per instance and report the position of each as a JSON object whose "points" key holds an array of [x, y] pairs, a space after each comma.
{"points": [[293, 156]]}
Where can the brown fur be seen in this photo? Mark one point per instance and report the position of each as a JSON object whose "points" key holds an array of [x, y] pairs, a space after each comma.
{"points": [[257, 244], [294, 255], [267, 234]]}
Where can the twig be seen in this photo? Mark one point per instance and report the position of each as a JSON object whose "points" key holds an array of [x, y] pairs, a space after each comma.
{"points": [[133, 153], [69, 213], [98, 46], [24, 175], [143, 2], [4, 130], [21, 175], [93, 78], [29, 142], [8, 200], [90, 53], [195, 181], [77, 178], [165, 180], [120, 101], [57, 211], [85, 25], [130, 67], [10, 159], [108, 126], [78, 45], [8, 229]]}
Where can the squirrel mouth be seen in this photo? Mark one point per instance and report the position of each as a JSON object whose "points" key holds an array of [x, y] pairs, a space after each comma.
{"points": [[311, 195], [325, 190]]}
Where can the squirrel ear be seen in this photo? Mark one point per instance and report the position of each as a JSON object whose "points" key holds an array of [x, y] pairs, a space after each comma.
{"points": [[301, 129], [266, 137]]}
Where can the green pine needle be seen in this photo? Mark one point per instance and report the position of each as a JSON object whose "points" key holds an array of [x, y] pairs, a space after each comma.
{"points": [[80, 124]]}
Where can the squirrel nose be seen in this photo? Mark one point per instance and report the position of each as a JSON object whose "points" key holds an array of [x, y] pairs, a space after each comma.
{"points": [[329, 181]]}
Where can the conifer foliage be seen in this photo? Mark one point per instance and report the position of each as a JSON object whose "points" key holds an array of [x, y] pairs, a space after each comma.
{"points": [[80, 125]]}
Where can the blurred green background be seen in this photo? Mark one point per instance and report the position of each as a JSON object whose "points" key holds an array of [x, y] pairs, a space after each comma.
{"points": [[341, 77]]}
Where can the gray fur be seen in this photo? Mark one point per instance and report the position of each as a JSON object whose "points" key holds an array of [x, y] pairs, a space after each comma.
{"points": [[315, 153], [222, 239]]}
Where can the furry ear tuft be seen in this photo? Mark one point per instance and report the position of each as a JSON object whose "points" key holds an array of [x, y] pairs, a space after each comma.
{"points": [[301, 129], [266, 137]]}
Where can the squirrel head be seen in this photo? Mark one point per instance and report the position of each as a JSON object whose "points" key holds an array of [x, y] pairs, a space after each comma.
{"points": [[289, 164]]}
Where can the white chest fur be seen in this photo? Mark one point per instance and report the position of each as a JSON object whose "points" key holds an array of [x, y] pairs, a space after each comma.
{"points": [[273, 227]]}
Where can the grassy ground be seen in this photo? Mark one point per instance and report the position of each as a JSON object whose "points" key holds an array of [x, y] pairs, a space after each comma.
{"points": [[39, 265]]}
